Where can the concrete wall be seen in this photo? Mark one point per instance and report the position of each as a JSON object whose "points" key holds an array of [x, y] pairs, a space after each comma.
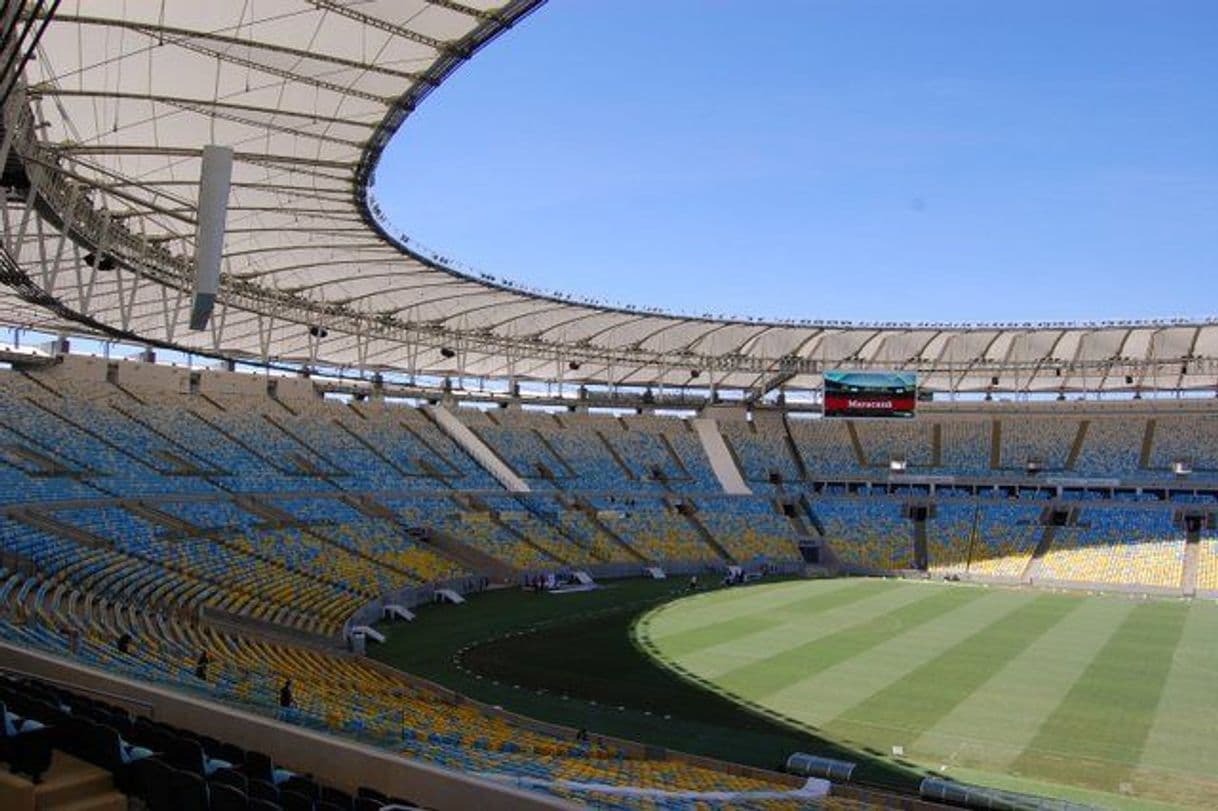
{"points": [[151, 378], [230, 384], [296, 390], [77, 368]]}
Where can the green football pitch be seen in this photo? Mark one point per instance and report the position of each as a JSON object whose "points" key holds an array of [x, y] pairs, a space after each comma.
{"points": [[1103, 698]]}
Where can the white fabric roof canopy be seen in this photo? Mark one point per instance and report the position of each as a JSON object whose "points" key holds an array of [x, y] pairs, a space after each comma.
{"points": [[123, 95]]}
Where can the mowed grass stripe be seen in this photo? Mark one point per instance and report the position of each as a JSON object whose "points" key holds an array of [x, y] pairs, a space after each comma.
{"points": [[801, 628], [733, 628], [1182, 737], [695, 613], [926, 694], [1095, 735], [823, 696], [993, 725], [795, 664]]}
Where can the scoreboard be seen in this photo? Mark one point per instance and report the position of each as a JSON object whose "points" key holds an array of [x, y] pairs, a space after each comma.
{"points": [[870, 394]]}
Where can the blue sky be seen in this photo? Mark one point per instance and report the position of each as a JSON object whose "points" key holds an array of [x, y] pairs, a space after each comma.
{"points": [[898, 160]]}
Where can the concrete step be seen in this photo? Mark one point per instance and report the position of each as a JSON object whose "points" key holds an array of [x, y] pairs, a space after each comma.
{"points": [[69, 781], [16, 793], [69, 785], [110, 801]]}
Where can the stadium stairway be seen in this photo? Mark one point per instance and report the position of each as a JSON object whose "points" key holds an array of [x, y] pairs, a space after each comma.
{"points": [[128, 393], [1031, 572], [801, 527], [466, 439], [567, 472], [359, 438], [674, 456], [63, 416], [311, 458], [734, 452], [527, 541], [856, 445], [468, 556], [45, 464], [173, 523], [722, 461], [281, 633], [590, 511], [921, 555], [282, 518], [1192, 562], [275, 517], [69, 785], [793, 449], [1076, 447], [181, 453], [278, 520], [617, 457], [521, 468], [372, 508], [1148, 444], [705, 534], [996, 445], [219, 428], [44, 522], [38, 382]]}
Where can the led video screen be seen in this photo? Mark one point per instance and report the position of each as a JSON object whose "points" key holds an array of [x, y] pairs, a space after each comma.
{"points": [[870, 394]]}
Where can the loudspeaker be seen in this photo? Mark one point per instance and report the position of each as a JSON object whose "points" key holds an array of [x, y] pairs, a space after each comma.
{"points": [[105, 263], [215, 177]]}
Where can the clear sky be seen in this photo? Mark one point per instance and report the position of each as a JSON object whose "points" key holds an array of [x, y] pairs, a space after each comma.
{"points": [[903, 160]]}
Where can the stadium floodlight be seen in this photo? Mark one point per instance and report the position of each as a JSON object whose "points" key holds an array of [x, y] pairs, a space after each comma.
{"points": [[215, 177]]}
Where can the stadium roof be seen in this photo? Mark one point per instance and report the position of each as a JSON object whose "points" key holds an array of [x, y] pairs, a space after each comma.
{"points": [[103, 134]]}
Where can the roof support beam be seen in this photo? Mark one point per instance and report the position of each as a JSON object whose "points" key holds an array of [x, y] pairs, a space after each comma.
{"points": [[461, 8], [384, 25], [188, 152], [187, 102]]}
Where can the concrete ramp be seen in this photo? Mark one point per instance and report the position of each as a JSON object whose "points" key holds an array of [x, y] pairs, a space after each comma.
{"points": [[369, 632], [720, 457], [582, 577], [398, 612], [450, 596], [656, 573], [460, 433]]}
